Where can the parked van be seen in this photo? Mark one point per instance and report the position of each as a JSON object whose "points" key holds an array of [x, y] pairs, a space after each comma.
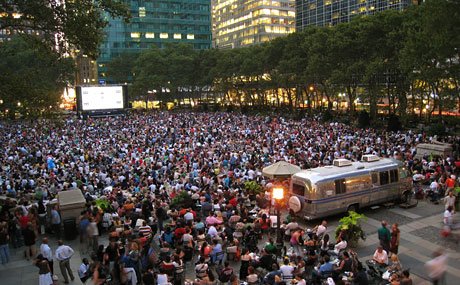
{"points": [[348, 186]]}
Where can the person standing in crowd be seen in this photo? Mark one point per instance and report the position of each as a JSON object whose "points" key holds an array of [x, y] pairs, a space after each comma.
{"points": [[436, 267], [44, 272], [93, 235], [448, 217], [41, 216], [47, 253], [63, 254], [29, 240], [4, 243], [395, 237], [56, 221], [384, 236], [84, 239], [449, 200]]}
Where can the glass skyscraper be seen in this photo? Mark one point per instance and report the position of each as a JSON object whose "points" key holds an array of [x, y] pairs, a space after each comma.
{"points": [[333, 12], [238, 23], [154, 23]]}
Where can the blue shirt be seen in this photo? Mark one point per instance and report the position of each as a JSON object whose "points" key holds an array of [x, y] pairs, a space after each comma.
{"points": [[55, 217], [326, 267]]}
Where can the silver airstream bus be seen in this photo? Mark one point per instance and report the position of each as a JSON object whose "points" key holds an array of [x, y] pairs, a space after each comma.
{"points": [[348, 186]]}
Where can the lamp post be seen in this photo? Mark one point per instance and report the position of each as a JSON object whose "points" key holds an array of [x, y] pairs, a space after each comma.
{"points": [[278, 195]]}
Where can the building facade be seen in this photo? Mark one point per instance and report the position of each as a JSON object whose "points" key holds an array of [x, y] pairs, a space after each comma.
{"points": [[237, 23], [333, 12], [155, 23]]}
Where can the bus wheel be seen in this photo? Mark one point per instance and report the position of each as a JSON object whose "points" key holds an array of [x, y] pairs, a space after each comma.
{"points": [[354, 208]]}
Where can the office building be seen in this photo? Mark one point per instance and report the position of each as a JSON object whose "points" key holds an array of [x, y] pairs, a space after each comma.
{"points": [[333, 12], [238, 23], [155, 23]]}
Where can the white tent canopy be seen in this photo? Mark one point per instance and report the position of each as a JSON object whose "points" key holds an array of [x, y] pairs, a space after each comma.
{"points": [[281, 169]]}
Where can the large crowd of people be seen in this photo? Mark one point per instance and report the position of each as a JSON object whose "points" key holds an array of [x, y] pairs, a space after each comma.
{"points": [[140, 165]]}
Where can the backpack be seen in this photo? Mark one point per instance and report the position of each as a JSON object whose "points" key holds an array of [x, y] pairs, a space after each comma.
{"points": [[225, 274]]}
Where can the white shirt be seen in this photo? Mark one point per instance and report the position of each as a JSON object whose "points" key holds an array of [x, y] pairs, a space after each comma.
{"points": [[436, 267], [64, 252], [321, 230], [82, 270], [45, 250], [188, 216], [287, 270], [341, 245], [212, 231], [381, 257], [447, 217]]}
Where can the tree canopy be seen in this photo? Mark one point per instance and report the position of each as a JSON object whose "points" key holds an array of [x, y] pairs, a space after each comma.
{"points": [[33, 76], [62, 24]]}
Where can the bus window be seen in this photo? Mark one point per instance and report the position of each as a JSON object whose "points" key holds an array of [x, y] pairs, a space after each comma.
{"points": [[375, 178], [340, 186], [393, 175], [298, 189], [384, 179]]}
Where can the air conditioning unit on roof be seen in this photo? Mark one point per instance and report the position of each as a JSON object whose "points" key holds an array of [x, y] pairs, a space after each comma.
{"points": [[341, 162], [370, 158]]}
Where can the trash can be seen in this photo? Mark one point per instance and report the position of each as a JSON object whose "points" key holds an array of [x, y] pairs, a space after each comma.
{"points": [[70, 229]]}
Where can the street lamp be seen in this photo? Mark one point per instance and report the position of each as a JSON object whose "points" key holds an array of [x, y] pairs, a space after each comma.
{"points": [[278, 195]]}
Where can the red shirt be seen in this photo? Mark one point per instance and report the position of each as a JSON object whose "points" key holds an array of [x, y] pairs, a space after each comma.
{"points": [[179, 232], [23, 221], [233, 202]]}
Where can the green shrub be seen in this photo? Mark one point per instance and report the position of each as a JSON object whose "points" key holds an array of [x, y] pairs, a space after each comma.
{"points": [[363, 119], [327, 116], [352, 228], [394, 124], [182, 200], [437, 129], [252, 188]]}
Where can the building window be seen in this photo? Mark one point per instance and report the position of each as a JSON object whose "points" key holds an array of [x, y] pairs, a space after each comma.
{"points": [[164, 35], [177, 36], [141, 12], [190, 36], [135, 35], [149, 35]]}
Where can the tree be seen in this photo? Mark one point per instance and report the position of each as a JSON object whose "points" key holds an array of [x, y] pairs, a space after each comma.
{"points": [[32, 77], [430, 53], [120, 69], [63, 24], [150, 74]]}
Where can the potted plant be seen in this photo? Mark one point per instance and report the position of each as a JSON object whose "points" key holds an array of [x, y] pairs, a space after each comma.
{"points": [[182, 200], [253, 189], [351, 227]]}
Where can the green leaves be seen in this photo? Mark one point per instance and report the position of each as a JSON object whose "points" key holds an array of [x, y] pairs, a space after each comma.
{"points": [[33, 76], [63, 25]]}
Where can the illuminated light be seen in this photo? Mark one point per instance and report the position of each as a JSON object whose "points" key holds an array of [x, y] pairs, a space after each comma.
{"points": [[135, 35], [190, 36], [141, 12], [17, 15], [164, 35], [19, 104], [149, 35], [177, 36], [278, 193]]}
